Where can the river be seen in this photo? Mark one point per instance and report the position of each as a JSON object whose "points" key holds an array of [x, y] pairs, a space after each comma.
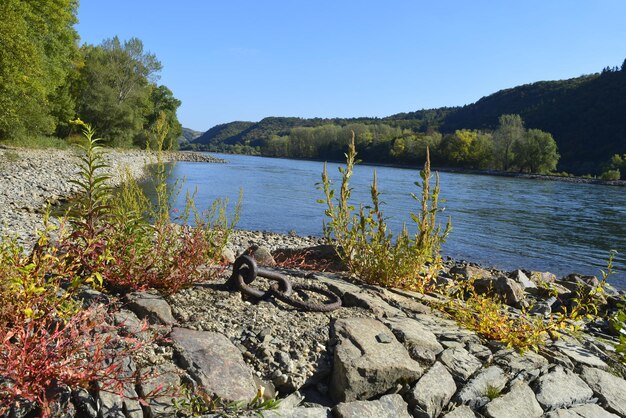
{"points": [[501, 222]]}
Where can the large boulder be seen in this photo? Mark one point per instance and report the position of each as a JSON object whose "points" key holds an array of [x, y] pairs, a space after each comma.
{"points": [[215, 363], [561, 388], [610, 389], [460, 362], [368, 360]]}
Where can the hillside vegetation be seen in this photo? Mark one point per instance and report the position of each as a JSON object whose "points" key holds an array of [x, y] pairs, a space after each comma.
{"points": [[584, 115]]}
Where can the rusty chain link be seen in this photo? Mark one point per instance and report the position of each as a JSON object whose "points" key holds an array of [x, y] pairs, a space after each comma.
{"points": [[245, 271]]}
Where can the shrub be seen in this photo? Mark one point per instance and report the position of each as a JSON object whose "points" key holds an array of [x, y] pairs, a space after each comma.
{"points": [[611, 175], [47, 342], [124, 241], [364, 242]]}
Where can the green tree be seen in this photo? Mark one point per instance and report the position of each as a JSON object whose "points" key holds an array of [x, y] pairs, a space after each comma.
{"points": [[164, 105], [536, 152], [509, 131], [37, 44], [115, 94]]}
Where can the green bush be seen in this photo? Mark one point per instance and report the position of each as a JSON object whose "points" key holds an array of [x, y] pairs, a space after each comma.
{"points": [[369, 249], [611, 175]]}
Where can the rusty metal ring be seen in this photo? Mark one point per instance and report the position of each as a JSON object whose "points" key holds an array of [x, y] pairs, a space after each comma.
{"points": [[283, 284], [239, 280], [335, 301]]}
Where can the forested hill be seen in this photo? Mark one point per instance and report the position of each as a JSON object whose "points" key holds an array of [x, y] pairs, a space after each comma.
{"points": [[585, 115]]}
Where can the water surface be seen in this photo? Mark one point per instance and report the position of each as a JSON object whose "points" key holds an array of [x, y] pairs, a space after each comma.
{"points": [[502, 222]]}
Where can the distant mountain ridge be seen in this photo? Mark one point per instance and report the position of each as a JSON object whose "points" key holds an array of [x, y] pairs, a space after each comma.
{"points": [[586, 115]]}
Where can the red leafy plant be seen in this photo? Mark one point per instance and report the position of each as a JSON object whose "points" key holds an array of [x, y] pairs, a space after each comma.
{"points": [[47, 341]]}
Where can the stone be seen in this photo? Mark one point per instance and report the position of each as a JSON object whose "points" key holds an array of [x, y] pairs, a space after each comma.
{"points": [[316, 412], [610, 389], [542, 278], [511, 291], [432, 392], [421, 343], [470, 272], [363, 367], [462, 411], [522, 279], [475, 392], [480, 351], [528, 365], [162, 381], [122, 403], [579, 354], [262, 255], [365, 300], [151, 306], [581, 411], [131, 325], [519, 402], [460, 363], [228, 255], [214, 362], [561, 388], [543, 307], [404, 301], [386, 406], [85, 403]]}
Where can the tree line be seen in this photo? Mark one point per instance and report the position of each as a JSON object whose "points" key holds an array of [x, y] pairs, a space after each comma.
{"points": [[47, 79], [510, 147]]}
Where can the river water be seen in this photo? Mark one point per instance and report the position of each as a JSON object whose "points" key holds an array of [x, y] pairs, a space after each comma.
{"points": [[501, 222]]}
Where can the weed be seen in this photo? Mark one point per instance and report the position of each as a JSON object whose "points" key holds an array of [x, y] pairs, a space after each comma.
{"points": [[490, 317], [364, 242], [492, 392], [199, 403], [585, 304]]}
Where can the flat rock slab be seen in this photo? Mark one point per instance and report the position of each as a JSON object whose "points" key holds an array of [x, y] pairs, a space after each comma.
{"points": [[610, 389], [519, 402], [152, 307], [561, 388], [475, 392], [215, 363], [580, 354], [421, 343], [368, 360], [582, 411], [460, 362], [445, 328], [432, 392], [386, 406]]}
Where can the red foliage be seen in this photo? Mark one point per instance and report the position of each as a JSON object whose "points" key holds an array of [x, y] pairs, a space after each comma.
{"points": [[43, 354]]}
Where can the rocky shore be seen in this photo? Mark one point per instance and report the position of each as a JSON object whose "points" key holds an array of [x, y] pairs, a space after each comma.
{"points": [[31, 178], [384, 353]]}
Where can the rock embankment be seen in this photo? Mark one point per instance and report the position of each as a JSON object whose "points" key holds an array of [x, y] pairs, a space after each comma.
{"points": [[31, 178]]}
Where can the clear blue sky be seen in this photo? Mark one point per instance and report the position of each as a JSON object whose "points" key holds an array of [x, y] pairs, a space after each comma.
{"points": [[245, 60]]}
